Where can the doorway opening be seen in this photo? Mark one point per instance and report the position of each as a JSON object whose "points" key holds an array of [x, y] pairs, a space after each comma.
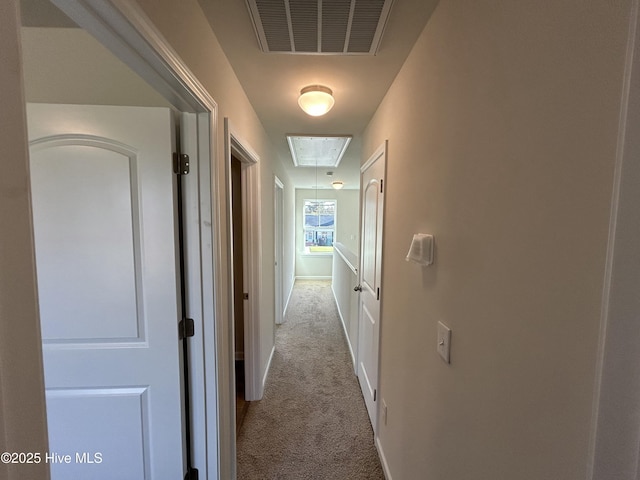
{"points": [[370, 279], [129, 35], [238, 289], [278, 216]]}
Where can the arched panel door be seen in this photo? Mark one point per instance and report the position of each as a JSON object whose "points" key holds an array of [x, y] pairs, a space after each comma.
{"points": [[372, 217], [103, 209]]}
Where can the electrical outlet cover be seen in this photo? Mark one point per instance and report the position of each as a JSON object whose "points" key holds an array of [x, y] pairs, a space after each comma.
{"points": [[444, 341]]}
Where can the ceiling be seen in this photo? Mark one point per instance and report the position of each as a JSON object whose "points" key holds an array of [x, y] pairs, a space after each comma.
{"points": [[272, 81]]}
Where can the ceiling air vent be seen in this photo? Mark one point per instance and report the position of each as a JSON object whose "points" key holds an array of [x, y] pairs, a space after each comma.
{"points": [[330, 27]]}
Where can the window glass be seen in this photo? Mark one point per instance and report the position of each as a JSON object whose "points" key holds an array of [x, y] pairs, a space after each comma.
{"points": [[319, 225]]}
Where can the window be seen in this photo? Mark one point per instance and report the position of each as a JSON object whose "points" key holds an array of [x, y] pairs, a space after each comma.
{"points": [[319, 225]]}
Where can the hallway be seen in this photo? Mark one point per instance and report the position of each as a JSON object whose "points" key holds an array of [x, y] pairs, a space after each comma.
{"points": [[312, 422]]}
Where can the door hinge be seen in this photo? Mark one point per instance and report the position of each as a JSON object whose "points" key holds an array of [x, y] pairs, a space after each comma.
{"points": [[192, 474], [245, 296], [381, 184], [375, 393], [186, 328], [180, 163], [378, 294]]}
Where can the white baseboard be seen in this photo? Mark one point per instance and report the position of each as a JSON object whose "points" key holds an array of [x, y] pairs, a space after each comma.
{"points": [[383, 460], [286, 305], [266, 371], [344, 328], [313, 278]]}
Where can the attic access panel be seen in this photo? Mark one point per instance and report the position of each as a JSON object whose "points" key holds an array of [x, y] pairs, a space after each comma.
{"points": [[317, 150], [337, 27]]}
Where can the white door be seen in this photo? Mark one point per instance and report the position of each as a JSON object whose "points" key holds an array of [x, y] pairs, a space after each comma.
{"points": [[279, 249], [372, 211], [103, 209]]}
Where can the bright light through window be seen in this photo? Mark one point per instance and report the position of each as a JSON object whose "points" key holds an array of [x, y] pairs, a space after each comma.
{"points": [[319, 225]]}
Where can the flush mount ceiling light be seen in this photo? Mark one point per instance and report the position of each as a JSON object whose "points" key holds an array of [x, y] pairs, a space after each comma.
{"points": [[317, 150], [337, 184], [316, 100]]}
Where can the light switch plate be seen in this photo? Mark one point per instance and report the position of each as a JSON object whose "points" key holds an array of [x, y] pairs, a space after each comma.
{"points": [[444, 341]]}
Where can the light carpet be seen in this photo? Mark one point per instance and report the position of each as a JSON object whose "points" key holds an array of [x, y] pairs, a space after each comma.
{"points": [[312, 421]]}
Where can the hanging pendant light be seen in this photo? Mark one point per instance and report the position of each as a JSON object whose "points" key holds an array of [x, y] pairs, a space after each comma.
{"points": [[316, 100]]}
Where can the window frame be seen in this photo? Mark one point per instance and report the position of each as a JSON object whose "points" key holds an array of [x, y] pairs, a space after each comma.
{"points": [[306, 250]]}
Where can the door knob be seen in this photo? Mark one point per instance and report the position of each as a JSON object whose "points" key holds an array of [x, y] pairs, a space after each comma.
{"points": [[357, 288]]}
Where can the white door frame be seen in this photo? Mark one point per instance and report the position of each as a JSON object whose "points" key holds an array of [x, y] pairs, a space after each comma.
{"points": [[252, 258], [380, 155], [124, 28], [278, 242], [22, 400], [615, 427]]}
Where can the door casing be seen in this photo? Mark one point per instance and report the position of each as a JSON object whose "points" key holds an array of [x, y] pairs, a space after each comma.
{"points": [[124, 28], [278, 205], [375, 304], [252, 260]]}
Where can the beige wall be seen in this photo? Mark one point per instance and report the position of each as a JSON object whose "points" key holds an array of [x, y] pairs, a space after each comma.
{"points": [[347, 229], [184, 26], [67, 65], [22, 410], [618, 408], [502, 131]]}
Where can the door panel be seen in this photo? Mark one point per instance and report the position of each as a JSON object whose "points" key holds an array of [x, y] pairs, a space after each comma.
{"points": [[369, 358], [74, 410], [372, 208], [94, 206], [103, 201], [369, 233]]}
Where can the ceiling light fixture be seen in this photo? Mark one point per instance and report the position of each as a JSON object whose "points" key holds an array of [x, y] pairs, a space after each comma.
{"points": [[337, 184], [316, 100]]}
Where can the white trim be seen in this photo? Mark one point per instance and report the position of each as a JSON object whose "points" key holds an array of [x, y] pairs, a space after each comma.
{"points": [[197, 262], [344, 327], [351, 266], [278, 234], [376, 155], [23, 424], [252, 254], [615, 430], [266, 370], [312, 278], [317, 254], [286, 306], [305, 252], [383, 460], [379, 154], [123, 27]]}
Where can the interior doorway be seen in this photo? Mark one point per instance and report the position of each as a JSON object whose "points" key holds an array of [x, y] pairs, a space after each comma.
{"points": [[370, 278], [146, 55], [278, 217], [238, 289], [247, 175], [91, 194]]}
